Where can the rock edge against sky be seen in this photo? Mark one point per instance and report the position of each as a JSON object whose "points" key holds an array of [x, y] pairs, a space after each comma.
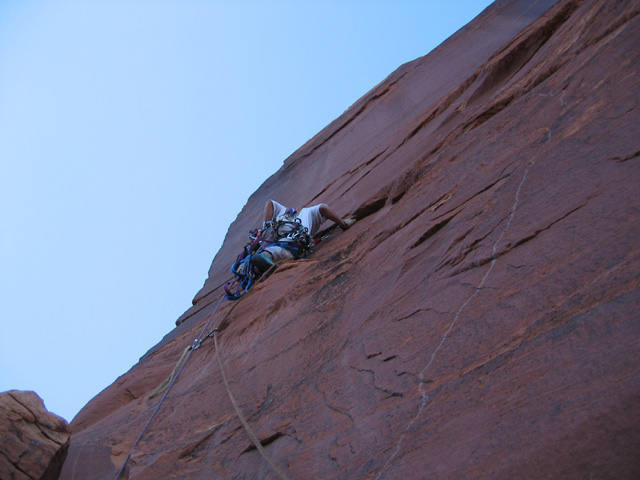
{"points": [[478, 321]]}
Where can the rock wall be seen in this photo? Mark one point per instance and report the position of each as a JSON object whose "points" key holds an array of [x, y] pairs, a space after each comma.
{"points": [[33, 441], [478, 321]]}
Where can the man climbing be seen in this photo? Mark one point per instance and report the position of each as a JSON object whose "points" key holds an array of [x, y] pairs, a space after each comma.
{"points": [[310, 218], [286, 234]]}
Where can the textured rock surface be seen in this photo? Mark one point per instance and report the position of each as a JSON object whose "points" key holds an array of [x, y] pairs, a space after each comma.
{"points": [[33, 441], [478, 321]]}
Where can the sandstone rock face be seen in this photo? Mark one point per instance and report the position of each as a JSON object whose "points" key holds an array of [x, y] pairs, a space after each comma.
{"points": [[33, 441], [478, 321]]}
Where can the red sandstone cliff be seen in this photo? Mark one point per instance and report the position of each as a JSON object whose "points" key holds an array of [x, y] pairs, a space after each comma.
{"points": [[33, 441], [478, 321]]}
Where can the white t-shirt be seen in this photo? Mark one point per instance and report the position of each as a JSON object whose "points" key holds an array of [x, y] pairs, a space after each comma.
{"points": [[310, 217]]}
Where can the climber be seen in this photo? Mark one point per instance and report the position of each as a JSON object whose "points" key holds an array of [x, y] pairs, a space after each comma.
{"points": [[309, 219], [286, 234]]}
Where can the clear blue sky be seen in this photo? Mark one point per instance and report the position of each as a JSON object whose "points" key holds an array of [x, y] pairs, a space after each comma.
{"points": [[131, 135]]}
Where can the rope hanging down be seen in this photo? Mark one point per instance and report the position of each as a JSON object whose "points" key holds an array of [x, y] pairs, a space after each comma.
{"points": [[175, 374], [245, 424]]}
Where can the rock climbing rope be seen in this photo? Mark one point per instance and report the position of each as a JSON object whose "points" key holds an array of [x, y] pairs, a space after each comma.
{"points": [[167, 384], [174, 376], [243, 420]]}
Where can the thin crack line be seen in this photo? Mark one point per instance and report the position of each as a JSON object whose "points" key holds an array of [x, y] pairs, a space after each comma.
{"points": [[424, 397]]}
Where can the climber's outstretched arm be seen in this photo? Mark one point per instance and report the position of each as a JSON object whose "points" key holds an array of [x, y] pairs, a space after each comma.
{"points": [[331, 215]]}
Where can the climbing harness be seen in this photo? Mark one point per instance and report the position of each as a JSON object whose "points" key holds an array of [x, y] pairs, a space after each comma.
{"points": [[288, 234]]}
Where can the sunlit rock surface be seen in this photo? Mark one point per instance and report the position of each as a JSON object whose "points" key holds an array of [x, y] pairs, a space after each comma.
{"points": [[480, 320], [33, 441]]}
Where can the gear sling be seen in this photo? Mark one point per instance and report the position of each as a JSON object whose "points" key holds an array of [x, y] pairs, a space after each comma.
{"points": [[255, 260]]}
